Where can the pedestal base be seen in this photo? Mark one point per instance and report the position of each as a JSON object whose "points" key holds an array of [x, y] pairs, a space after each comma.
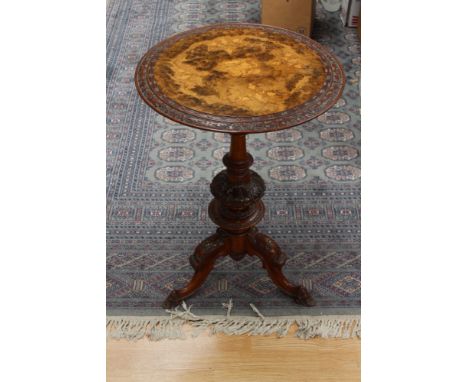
{"points": [[236, 209], [252, 243]]}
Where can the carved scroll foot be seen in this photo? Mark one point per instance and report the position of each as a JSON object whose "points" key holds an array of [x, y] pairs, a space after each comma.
{"points": [[302, 296], [273, 259], [172, 300], [202, 260]]}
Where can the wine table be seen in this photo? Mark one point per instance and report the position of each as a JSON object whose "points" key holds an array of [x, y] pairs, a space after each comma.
{"points": [[239, 79]]}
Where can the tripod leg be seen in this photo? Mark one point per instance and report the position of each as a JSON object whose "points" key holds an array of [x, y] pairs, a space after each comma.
{"points": [[273, 259], [202, 260]]}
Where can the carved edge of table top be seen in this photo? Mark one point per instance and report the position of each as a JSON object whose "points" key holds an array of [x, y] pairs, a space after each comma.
{"points": [[315, 106]]}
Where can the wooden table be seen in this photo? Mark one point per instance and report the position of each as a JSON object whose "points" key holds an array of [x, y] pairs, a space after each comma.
{"points": [[239, 79]]}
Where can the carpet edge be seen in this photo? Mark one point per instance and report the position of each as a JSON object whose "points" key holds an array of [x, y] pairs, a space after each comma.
{"points": [[157, 328]]}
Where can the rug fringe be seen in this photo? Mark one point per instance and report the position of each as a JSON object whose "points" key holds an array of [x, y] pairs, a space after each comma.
{"points": [[157, 328]]}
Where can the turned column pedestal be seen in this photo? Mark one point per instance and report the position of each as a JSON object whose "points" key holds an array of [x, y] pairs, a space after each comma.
{"points": [[236, 208]]}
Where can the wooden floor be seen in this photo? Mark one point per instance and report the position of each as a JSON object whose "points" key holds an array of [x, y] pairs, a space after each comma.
{"points": [[238, 358]]}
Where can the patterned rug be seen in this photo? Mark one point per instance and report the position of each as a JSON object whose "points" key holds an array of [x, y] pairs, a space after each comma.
{"points": [[158, 175]]}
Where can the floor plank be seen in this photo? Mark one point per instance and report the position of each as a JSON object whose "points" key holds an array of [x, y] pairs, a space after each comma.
{"points": [[237, 358]]}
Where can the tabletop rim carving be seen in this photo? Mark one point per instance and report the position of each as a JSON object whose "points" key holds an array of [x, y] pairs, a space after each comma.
{"points": [[316, 105]]}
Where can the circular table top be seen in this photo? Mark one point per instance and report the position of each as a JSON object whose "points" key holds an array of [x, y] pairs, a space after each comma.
{"points": [[239, 78]]}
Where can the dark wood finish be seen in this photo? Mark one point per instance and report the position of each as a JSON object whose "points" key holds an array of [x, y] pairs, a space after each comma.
{"points": [[236, 209], [313, 89]]}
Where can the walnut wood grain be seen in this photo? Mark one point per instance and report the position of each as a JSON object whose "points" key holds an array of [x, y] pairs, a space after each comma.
{"points": [[239, 72]]}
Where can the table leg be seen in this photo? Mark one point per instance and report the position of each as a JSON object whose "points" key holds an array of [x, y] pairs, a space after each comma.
{"points": [[202, 260], [273, 260]]}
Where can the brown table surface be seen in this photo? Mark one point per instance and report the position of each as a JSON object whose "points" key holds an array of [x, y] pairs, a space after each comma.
{"points": [[239, 78]]}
